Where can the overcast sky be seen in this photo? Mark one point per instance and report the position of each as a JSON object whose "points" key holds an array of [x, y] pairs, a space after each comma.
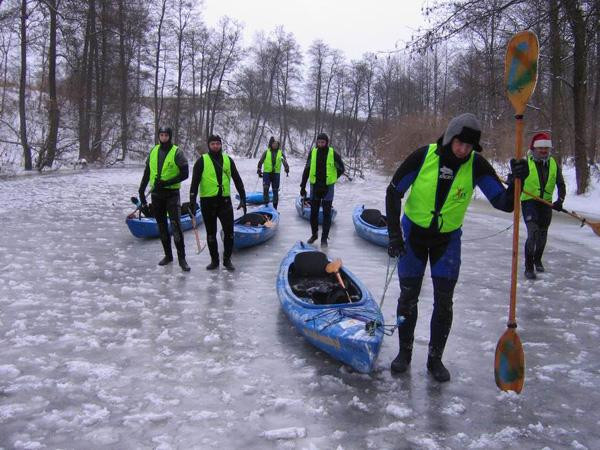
{"points": [[353, 26]]}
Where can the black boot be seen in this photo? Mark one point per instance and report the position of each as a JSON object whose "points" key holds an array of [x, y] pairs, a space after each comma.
{"points": [[324, 241], [539, 267], [530, 274], [214, 264], [166, 260], [313, 238], [183, 264], [227, 264], [437, 369], [401, 363]]}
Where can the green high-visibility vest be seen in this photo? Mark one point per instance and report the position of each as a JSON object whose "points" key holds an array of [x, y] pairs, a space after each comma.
{"points": [[420, 205], [331, 171], [169, 168], [209, 185], [532, 182], [268, 163]]}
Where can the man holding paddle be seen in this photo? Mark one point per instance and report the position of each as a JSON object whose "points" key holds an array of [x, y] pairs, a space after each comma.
{"points": [[544, 176], [442, 177], [211, 176], [324, 166], [166, 168], [270, 163]]}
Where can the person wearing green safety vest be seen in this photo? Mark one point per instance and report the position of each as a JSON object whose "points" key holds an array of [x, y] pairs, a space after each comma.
{"points": [[166, 168], [211, 178], [441, 177], [324, 166], [270, 163], [544, 177]]}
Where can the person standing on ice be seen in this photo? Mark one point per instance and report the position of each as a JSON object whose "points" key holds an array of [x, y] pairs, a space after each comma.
{"points": [[211, 176], [324, 166], [442, 177], [166, 168], [544, 176], [270, 163]]}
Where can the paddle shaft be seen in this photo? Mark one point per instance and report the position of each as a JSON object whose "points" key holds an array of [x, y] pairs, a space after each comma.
{"points": [[546, 202], [516, 219], [196, 234]]}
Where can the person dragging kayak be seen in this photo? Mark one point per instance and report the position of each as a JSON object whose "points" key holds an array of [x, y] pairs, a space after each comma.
{"points": [[442, 177], [211, 176], [544, 177], [166, 168], [324, 167], [270, 163]]}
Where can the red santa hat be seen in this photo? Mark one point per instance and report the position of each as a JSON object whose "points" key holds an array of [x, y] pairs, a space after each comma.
{"points": [[540, 140]]}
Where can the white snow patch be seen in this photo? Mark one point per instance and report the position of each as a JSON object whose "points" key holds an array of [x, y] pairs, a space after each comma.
{"points": [[212, 338], [164, 336], [9, 371], [456, 408], [399, 412], [284, 433], [356, 403]]}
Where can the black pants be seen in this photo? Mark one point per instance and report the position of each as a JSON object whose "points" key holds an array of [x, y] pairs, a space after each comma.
{"points": [[214, 208], [271, 179], [537, 218], [321, 196], [161, 205]]}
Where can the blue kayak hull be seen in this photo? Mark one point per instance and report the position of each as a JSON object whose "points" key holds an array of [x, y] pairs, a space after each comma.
{"points": [[255, 198], [146, 227], [376, 235], [339, 330], [304, 211], [247, 236]]}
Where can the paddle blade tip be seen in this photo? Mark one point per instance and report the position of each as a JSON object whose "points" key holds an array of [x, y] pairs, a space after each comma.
{"points": [[509, 363]]}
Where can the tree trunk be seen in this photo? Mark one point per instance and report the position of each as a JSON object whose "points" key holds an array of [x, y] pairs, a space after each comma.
{"points": [[23, 87], [124, 92], [578, 28], [555, 85], [596, 105], [157, 68], [100, 69], [53, 112]]}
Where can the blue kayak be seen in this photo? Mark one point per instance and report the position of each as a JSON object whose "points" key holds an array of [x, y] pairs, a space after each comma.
{"points": [[249, 230], [371, 225], [303, 210], [146, 227], [351, 332], [255, 198]]}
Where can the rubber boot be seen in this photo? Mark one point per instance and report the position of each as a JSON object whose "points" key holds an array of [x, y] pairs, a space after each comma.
{"points": [[214, 264], [437, 369], [265, 194], [324, 238], [213, 249], [313, 238], [539, 267], [168, 252], [401, 363], [406, 313], [227, 264], [183, 264]]}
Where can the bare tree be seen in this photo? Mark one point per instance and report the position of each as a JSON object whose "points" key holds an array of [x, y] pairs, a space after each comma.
{"points": [[23, 88]]}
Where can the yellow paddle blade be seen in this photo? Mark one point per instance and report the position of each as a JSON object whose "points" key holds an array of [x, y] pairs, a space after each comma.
{"points": [[509, 364], [595, 226], [334, 266], [520, 69]]}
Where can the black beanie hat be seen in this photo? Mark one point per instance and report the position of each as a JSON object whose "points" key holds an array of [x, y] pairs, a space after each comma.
{"points": [[214, 138], [323, 136]]}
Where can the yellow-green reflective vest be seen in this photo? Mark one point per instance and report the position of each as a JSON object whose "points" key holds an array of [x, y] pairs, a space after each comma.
{"points": [[169, 168], [420, 205], [209, 185], [331, 174], [532, 182], [268, 163]]}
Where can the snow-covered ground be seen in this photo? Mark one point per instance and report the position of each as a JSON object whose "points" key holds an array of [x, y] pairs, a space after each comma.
{"points": [[101, 348]]}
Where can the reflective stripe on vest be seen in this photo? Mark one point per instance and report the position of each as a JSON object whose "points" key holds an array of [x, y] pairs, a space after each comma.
{"points": [[331, 174], [209, 185], [420, 205], [268, 163], [169, 168], [532, 182]]}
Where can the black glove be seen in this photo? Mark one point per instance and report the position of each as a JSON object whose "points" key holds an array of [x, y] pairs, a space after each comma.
{"points": [[143, 198], [519, 168], [302, 192], [242, 205], [396, 247], [193, 207], [558, 205], [287, 172], [259, 173]]}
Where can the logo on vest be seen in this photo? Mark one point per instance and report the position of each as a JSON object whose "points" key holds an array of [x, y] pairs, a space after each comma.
{"points": [[460, 194], [446, 173]]}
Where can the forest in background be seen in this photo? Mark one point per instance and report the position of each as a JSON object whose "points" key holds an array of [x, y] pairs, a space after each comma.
{"points": [[94, 79]]}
